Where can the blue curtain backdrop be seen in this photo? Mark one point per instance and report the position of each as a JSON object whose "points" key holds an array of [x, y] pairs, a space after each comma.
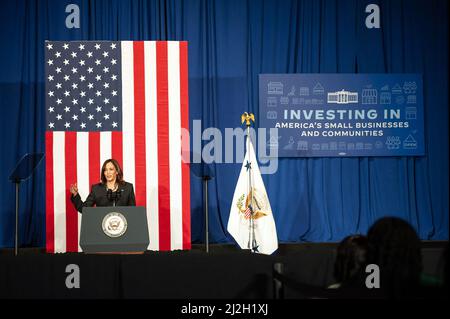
{"points": [[230, 43]]}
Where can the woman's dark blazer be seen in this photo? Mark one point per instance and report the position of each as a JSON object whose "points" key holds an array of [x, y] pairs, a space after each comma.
{"points": [[99, 197]]}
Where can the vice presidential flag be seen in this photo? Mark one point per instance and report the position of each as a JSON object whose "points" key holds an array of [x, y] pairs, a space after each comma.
{"points": [[251, 222], [124, 100]]}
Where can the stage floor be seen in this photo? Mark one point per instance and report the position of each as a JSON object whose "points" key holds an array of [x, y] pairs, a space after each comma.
{"points": [[226, 272]]}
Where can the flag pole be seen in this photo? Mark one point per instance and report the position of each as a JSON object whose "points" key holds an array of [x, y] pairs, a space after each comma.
{"points": [[248, 117], [252, 217], [249, 191]]}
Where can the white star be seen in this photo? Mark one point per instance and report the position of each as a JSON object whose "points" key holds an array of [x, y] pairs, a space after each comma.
{"points": [[51, 93], [49, 46], [113, 45], [67, 125], [73, 54], [98, 77], [65, 46], [105, 69], [98, 93], [58, 54], [66, 93], [82, 78], [51, 109], [74, 70], [58, 101], [91, 101], [97, 46], [98, 62], [66, 62], [113, 61], [114, 108], [58, 85], [75, 117], [106, 85], [90, 70], [58, 70], [75, 101], [81, 47], [81, 62], [59, 117], [66, 77], [106, 116], [74, 86], [51, 125], [90, 85], [114, 93], [83, 125], [50, 77], [99, 124], [99, 108], [105, 54], [82, 94], [50, 62], [114, 124], [67, 109], [82, 109], [106, 101], [114, 77], [89, 54], [91, 117]]}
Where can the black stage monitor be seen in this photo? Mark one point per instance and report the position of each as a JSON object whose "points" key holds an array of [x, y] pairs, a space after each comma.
{"points": [[119, 229]]}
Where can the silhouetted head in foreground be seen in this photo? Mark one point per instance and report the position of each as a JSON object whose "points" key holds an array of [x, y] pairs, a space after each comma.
{"points": [[350, 258], [394, 246]]}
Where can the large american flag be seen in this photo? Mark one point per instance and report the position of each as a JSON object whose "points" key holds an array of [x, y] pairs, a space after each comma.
{"points": [[126, 100]]}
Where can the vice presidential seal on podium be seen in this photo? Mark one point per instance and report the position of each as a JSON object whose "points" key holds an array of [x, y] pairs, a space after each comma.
{"points": [[117, 229]]}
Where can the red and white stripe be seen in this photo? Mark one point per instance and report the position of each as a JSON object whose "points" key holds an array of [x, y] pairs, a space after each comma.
{"points": [[155, 110], [247, 213]]}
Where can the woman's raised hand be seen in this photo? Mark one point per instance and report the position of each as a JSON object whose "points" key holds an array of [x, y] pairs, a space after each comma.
{"points": [[74, 189]]}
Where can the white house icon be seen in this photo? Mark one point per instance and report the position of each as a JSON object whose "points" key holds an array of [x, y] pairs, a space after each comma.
{"points": [[342, 97]]}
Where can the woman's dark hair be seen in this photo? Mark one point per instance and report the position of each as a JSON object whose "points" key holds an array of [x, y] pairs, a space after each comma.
{"points": [[395, 247], [119, 179], [350, 257]]}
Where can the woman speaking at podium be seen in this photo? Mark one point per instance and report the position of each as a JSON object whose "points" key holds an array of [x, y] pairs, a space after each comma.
{"points": [[112, 191]]}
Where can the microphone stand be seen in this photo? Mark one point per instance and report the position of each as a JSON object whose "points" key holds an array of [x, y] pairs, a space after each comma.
{"points": [[23, 170], [206, 178], [16, 239], [204, 172], [111, 196], [117, 196]]}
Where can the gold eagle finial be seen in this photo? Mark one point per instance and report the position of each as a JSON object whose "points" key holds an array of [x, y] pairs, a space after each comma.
{"points": [[247, 117]]}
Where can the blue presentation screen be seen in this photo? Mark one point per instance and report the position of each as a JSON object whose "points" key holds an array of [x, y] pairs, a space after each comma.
{"points": [[320, 115]]}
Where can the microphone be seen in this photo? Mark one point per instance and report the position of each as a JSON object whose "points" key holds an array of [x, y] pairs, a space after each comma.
{"points": [[109, 194], [113, 196], [117, 195]]}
